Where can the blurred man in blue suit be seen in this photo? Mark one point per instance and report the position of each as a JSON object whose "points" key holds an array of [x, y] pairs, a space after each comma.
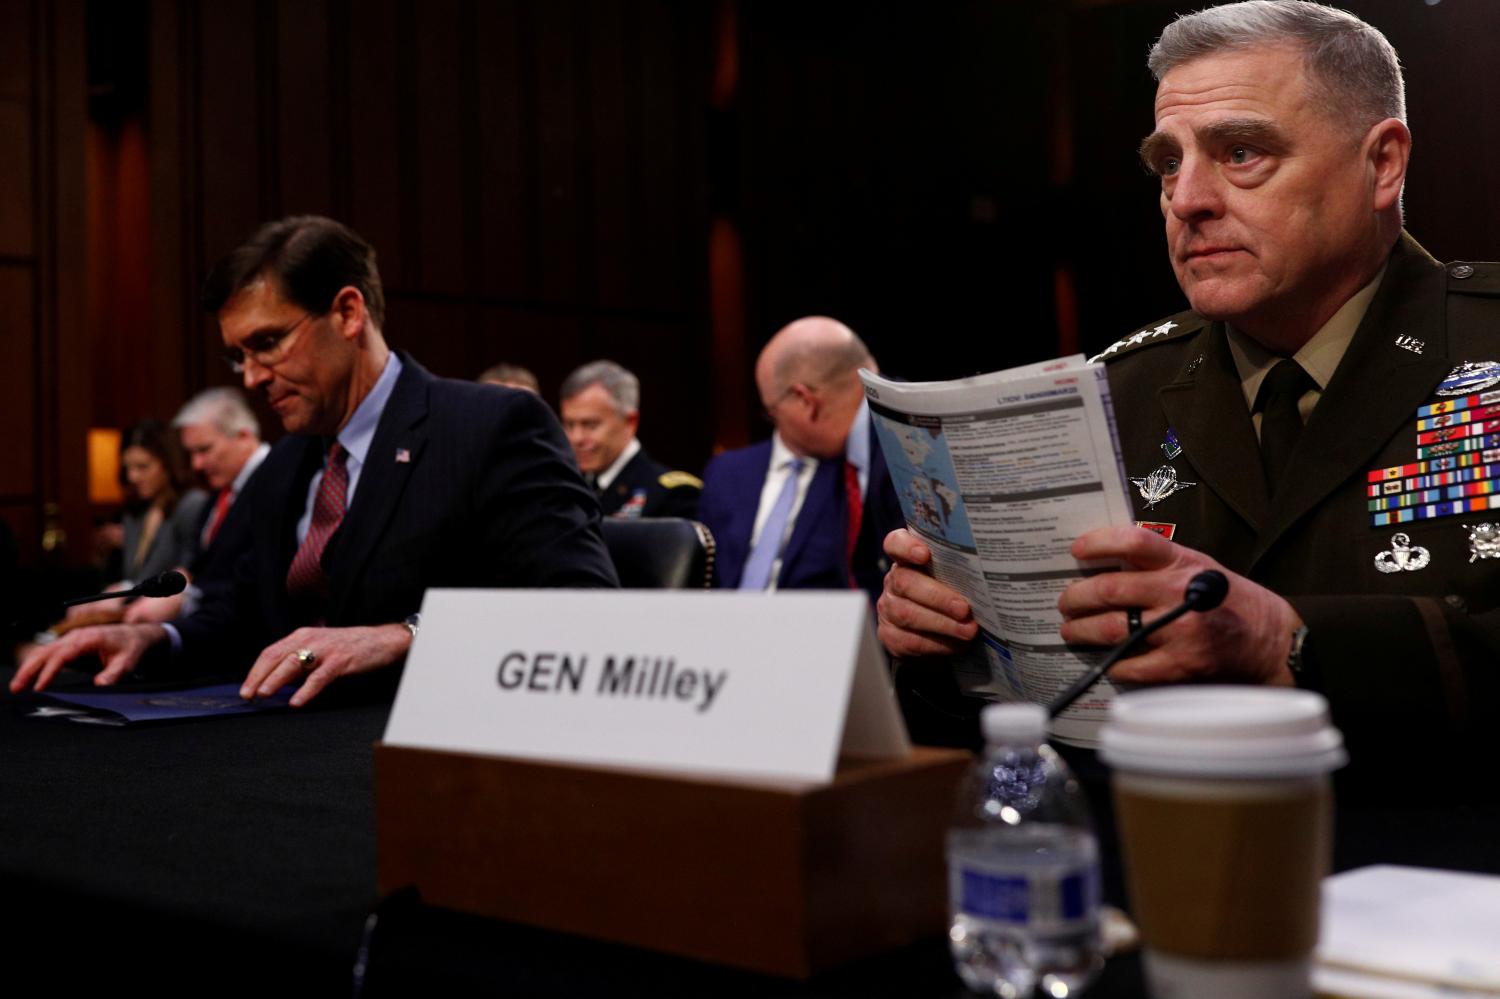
{"points": [[808, 508]]}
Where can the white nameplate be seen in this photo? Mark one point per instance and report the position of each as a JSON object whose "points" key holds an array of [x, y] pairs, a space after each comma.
{"points": [[729, 684]]}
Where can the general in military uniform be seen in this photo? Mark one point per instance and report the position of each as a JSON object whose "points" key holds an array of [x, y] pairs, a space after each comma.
{"points": [[1380, 532], [1322, 426], [645, 487], [601, 413]]}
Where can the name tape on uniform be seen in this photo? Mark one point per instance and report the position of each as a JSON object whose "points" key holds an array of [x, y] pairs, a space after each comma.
{"points": [[749, 685]]}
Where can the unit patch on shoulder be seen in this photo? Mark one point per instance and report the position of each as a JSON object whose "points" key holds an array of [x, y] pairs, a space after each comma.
{"points": [[672, 480]]}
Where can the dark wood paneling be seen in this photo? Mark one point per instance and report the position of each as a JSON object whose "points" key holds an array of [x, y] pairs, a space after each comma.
{"points": [[16, 33], [304, 94], [66, 385], [550, 343], [16, 219], [442, 141], [668, 230], [506, 184], [18, 396], [611, 156], [232, 128], [1449, 52], [374, 134], [890, 175], [426, 328], [517, 165], [555, 44]]}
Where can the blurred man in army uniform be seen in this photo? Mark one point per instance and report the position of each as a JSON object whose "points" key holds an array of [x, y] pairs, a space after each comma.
{"points": [[600, 414]]}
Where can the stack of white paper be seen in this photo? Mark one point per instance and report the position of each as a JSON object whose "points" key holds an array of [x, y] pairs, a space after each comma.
{"points": [[1408, 933]]}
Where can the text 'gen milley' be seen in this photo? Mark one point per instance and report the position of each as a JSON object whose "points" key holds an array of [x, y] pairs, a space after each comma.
{"points": [[651, 677]]}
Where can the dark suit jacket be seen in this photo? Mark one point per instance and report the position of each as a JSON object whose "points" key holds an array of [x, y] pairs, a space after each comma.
{"points": [[814, 556], [464, 486], [639, 491], [1410, 660], [213, 569]]}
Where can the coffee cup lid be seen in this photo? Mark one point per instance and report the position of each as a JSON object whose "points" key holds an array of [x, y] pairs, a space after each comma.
{"points": [[1222, 731]]}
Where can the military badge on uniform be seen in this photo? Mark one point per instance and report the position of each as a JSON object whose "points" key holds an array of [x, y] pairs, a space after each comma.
{"points": [[1484, 541], [1159, 485], [634, 506], [1171, 447], [1470, 376], [1458, 454], [1157, 527], [1403, 556], [1411, 343]]}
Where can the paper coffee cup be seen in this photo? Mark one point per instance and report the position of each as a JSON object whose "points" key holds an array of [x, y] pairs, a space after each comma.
{"points": [[1225, 813]]}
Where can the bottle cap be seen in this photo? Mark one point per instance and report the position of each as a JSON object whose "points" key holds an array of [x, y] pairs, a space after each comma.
{"points": [[1016, 722]]}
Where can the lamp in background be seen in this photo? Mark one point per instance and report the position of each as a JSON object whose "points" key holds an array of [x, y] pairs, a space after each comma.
{"points": [[104, 466]]}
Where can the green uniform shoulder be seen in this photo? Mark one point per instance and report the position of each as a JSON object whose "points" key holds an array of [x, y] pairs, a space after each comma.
{"points": [[1173, 328], [1473, 277]]}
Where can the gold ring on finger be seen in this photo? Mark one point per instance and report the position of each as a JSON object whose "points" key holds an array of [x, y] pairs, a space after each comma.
{"points": [[307, 658]]}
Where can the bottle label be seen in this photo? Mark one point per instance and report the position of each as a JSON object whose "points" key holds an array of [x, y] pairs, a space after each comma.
{"points": [[1048, 900]]}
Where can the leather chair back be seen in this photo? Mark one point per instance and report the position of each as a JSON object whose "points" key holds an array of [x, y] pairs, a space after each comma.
{"points": [[660, 553]]}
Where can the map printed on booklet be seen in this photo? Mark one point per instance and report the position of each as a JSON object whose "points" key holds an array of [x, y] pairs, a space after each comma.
{"points": [[999, 474]]}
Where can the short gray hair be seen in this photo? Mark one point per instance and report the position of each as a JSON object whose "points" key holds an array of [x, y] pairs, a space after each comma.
{"points": [[1352, 63], [622, 387], [223, 408]]}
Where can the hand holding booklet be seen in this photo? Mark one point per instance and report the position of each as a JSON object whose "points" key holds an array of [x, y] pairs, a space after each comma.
{"points": [[998, 474]]}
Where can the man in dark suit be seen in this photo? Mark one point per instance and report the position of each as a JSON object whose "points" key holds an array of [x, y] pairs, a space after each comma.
{"points": [[221, 436], [1318, 426], [808, 508], [393, 481], [601, 412]]}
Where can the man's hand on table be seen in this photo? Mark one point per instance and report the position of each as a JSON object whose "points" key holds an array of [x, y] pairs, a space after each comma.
{"points": [[336, 651], [1246, 639], [119, 646]]}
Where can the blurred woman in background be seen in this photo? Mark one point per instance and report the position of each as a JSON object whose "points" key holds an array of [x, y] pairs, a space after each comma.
{"points": [[164, 513]]}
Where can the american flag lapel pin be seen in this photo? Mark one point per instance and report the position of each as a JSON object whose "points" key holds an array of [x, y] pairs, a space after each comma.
{"points": [[403, 456]]}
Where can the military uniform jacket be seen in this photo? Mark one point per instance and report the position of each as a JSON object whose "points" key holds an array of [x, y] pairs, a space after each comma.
{"points": [[1406, 644], [647, 488]]}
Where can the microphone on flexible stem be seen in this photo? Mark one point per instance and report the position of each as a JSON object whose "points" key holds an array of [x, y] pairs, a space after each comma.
{"points": [[1204, 592], [165, 584]]}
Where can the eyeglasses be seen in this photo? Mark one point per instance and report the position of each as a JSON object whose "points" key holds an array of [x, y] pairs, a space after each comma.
{"points": [[267, 348]]}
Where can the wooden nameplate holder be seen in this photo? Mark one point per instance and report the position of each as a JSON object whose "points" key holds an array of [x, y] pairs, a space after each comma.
{"points": [[778, 878]]}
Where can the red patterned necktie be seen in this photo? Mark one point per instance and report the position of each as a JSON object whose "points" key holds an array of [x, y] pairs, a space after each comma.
{"points": [[856, 515], [305, 577], [216, 519]]}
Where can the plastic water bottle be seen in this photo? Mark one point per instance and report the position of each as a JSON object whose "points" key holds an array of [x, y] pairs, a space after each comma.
{"points": [[1023, 867]]}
